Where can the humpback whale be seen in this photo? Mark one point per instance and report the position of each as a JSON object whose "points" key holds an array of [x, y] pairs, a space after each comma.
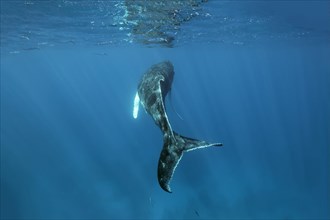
{"points": [[151, 93]]}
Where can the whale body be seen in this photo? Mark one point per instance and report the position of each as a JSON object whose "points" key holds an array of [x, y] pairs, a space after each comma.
{"points": [[152, 90]]}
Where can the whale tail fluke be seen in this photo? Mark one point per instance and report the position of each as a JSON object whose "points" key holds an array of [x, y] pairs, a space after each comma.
{"points": [[174, 147], [190, 144]]}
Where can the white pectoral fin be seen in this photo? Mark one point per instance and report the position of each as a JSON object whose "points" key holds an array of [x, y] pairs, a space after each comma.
{"points": [[136, 105]]}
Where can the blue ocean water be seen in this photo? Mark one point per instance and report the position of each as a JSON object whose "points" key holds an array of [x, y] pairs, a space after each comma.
{"points": [[254, 75]]}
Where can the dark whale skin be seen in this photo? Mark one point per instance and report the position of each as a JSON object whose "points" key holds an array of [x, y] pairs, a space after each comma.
{"points": [[152, 90]]}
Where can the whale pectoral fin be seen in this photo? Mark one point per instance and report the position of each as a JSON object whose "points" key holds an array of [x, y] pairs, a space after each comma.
{"points": [[194, 144], [136, 105]]}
